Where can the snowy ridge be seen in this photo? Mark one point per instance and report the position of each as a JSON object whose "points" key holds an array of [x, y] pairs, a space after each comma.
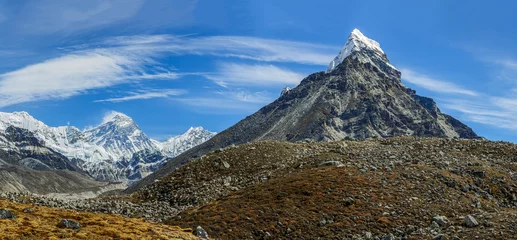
{"points": [[355, 43], [193, 137], [116, 150]]}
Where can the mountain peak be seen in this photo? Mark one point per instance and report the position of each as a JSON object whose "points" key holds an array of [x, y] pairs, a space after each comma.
{"points": [[356, 42], [117, 117]]}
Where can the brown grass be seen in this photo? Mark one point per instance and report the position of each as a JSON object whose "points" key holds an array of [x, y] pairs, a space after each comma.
{"points": [[42, 224]]}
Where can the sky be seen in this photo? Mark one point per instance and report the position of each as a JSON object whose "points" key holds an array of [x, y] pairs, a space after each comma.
{"points": [[173, 64]]}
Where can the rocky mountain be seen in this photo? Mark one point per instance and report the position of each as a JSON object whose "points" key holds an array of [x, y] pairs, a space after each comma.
{"points": [[26, 165], [359, 96], [116, 150]]}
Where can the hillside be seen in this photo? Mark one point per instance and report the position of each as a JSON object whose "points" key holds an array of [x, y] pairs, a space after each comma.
{"points": [[380, 186], [42, 223]]}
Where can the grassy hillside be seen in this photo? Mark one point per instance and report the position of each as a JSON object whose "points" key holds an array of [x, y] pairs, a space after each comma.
{"points": [[42, 224]]}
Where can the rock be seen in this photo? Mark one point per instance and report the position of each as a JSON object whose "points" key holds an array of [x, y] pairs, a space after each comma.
{"points": [[513, 177], [470, 221], [67, 223], [6, 214], [440, 237], [349, 201], [479, 174], [28, 210], [388, 237], [226, 165], [201, 233], [331, 163], [441, 220], [367, 235]]}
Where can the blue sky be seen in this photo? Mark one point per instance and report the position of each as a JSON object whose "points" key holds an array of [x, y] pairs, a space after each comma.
{"points": [[172, 64]]}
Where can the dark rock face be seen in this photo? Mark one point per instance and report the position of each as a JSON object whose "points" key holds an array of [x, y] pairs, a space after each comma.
{"points": [[6, 214], [31, 153], [363, 97], [28, 165]]}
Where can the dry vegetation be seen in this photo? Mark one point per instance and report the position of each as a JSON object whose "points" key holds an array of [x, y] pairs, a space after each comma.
{"points": [[340, 203], [383, 186], [42, 224]]}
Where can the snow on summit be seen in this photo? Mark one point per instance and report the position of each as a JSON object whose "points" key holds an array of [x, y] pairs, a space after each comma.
{"points": [[356, 42]]}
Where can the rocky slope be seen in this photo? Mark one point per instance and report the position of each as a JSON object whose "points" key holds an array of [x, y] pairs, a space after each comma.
{"points": [[348, 189], [360, 96]]}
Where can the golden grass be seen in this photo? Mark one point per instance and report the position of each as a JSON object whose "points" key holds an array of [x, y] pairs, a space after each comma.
{"points": [[42, 224]]}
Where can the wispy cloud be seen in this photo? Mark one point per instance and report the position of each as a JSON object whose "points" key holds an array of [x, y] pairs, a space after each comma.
{"points": [[433, 84], [133, 58], [254, 74], [148, 94], [49, 16], [74, 74], [258, 49], [498, 112], [234, 101], [248, 96]]}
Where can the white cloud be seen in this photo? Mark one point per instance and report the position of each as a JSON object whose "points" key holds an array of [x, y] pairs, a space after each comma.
{"points": [[132, 58], [247, 96], [229, 102], [73, 74], [254, 74], [493, 111], [434, 85], [50, 16], [149, 94], [258, 49]]}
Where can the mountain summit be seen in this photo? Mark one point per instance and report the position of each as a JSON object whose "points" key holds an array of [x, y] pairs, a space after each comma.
{"points": [[359, 96], [356, 42]]}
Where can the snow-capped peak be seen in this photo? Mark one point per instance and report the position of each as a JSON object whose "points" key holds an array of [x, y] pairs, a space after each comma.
{"points": [[117, 117], [356, 42], [106, 150], [191, 138]]}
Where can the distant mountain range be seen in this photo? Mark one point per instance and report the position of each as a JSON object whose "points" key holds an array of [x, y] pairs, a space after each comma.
{"points": [[116, 150]]}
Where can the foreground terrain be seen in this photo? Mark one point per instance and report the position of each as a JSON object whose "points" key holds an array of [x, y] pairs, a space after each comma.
{"points": [[33, 222], [349, 189], [397, 188]]}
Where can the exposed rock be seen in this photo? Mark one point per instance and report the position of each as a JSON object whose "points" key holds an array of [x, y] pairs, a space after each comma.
{"points": [[331, 163], [201, 233], [470, 221], [28, 210], [6, 214], [442, 221], [67, 223]]}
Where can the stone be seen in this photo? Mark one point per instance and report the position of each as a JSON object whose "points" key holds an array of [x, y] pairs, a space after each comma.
{"points": [[367, 235], [226, 165], [28, 210], [67, 223], [388, 237], [201, 233], [470, 221], [442, 221], [331, 163], [6, 214], [440, 237]]}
